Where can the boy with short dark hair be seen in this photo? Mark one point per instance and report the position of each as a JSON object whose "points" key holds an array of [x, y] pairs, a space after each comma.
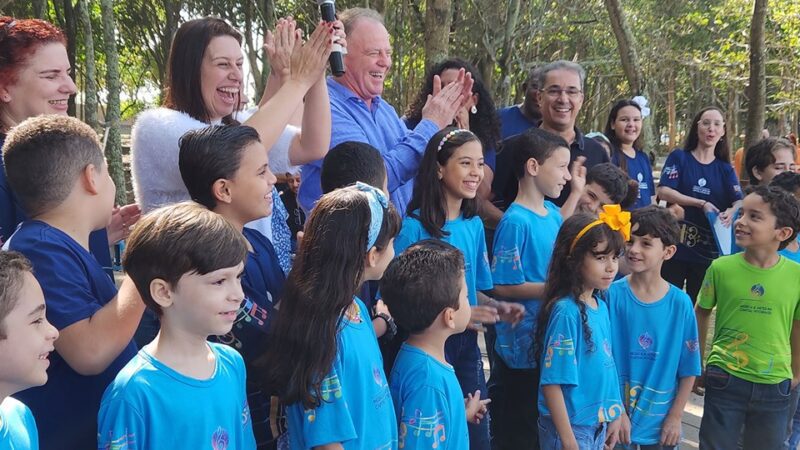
{"points": [[755, 355], [790, 182], [426, 288], [186, 262], [26, 340], [55, 165], [654, 334], [349, 162]]}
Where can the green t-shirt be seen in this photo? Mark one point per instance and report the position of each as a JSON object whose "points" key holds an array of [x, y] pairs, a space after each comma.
{"points": [[755, 309]]}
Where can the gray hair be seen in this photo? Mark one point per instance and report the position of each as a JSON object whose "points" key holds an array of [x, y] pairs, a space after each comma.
{"points": [[350, 16], [561, 65]]}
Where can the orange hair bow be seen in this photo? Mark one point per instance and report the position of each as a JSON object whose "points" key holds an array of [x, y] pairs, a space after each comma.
{"points": [[614, 217]]}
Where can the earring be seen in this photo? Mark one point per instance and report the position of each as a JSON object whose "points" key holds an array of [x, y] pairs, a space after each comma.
{"points": [[474, 109]]}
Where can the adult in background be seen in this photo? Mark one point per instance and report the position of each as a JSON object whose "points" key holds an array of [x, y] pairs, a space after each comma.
{"points": [[477, 115], [360, 114], [700, 179], [34, 80], [560, 101], [623, 130]]}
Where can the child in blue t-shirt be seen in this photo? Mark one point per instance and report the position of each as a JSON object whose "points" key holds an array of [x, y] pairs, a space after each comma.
{"points": [[55, 166], [226, 169], [324, 357], [603, 184], [654, 334], [186, 263], [579, 401], [523, 245], [26, 340], [426, 288], [623, 129], [444, 206]]}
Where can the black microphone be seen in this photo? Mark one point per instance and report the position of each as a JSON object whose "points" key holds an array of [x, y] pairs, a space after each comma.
{"points": [[328, 11]]}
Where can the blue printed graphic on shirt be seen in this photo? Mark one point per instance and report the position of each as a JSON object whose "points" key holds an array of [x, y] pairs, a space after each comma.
{"points": [[465, 235], [523, 246], [17, 426], [587, 374], [655, 345], [356, 405], [639, 169], [715, 182], [428, 402], [149, 405]]}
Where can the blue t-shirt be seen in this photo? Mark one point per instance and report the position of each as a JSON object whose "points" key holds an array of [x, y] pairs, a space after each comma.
{"points": [[17, 426], [639, 169], [655, 345], [512, 121], [715, 182], [588, 377], [794, 256], [150, 405], [466, 235], [523, 246], [75, 288], [428, 402], [356, 406]]}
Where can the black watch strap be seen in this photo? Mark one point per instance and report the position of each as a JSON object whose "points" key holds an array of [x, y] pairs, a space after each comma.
{"points": [[391, 327]]}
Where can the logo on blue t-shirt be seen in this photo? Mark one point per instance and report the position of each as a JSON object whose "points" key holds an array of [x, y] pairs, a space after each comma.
{"points": [[640, 177], [693, 345], [645, 340], [671, 172], [757, 290], [701, 188], [220, 439]]}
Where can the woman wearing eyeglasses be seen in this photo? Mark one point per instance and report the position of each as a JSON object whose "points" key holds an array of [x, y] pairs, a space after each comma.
{"points": [[699, 178]]}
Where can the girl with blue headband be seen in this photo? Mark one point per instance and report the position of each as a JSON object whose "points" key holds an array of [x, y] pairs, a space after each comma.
{"points": [[324, 357]]}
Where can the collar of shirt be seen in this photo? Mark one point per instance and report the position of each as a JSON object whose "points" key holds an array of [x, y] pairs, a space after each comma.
{"points": [[340, 93]]}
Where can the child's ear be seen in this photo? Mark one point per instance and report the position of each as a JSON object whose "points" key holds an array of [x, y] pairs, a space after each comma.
{"points": [[784, 233], [221, 190], [669, 251], [438, 171], [448, 318], [89, 179], [161, 292], [757, 174], [373, 255], [532, 166]]}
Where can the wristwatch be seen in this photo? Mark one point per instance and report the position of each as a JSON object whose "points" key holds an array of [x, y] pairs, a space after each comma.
{"points": [[391, 327]]}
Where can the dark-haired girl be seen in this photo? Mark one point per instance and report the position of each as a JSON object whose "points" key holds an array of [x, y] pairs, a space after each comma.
{"points": [[323, 357], [444, 206], [623, 129], [579, 390], [700, 179]]}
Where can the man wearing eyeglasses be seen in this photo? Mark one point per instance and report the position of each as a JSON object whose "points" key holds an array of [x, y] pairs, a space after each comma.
{"points": [[560, 101]]}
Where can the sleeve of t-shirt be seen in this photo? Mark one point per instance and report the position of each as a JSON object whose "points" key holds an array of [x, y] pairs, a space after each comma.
{"points": [[483, 274], [732, 182], [409, 234], [330, 422], [507, 264], [671, 173], [120, 425], [689, 364], [279, 161], [424, 418], [560, 364], [64, 282], [707, 298]]}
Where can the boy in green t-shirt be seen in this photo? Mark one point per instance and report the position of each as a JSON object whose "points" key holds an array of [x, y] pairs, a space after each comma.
{"points": [[755, 355]]}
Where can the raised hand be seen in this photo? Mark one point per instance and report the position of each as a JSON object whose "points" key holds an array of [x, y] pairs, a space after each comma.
{"points": [[443, 104], [280, 45], [309, 60]]}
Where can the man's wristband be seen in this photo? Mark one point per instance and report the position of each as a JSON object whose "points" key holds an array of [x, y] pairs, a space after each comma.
{"points": [[391, 327]]}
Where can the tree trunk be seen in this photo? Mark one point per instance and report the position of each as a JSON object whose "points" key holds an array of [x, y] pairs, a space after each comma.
{"points": [[757, 91], [630, 62], [40, 9], [113, 141], [90, 76], [437, 31], [70, 26], [671, 112], [512, 17]]}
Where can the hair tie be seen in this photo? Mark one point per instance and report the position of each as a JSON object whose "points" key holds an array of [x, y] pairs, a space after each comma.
{"points": [[448, 136], [642, 102], [614, 217], [377, 203]]}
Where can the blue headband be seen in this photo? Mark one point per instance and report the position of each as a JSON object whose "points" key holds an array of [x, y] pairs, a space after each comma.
{"points": [[377, 203]]}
